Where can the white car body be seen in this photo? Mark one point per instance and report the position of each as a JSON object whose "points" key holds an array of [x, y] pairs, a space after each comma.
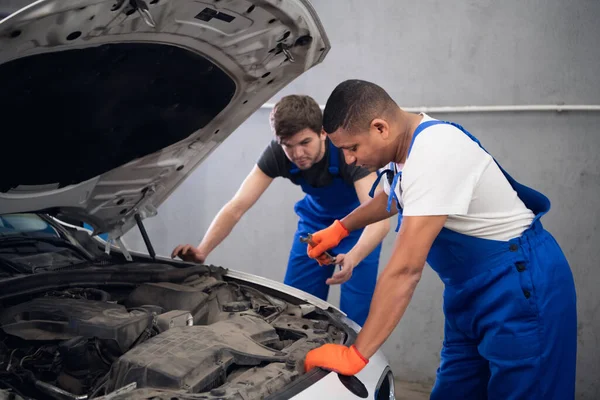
{"points": [[252, 48]]}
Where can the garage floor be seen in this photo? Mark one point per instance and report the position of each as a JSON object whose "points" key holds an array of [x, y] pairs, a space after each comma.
{"points": [[411, 391]]}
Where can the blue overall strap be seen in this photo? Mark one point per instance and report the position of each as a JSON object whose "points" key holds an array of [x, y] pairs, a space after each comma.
{"points": [[334, 159], [388, 171], [398, 176], [392, 195], [421, 128], [294, 169]]}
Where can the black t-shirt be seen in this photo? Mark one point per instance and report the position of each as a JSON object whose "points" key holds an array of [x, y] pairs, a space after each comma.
{"points": [[274, 163]]}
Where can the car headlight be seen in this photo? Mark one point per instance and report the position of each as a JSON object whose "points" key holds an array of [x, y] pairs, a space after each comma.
{"points": [[385, 389]]}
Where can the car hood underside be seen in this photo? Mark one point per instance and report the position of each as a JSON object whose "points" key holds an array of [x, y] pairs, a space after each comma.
{"points": [[108, 106]]}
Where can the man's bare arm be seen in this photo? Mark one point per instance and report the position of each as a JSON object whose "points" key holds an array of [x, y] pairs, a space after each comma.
{"points": [[247, 195], [369, 212], [397, 282], [373, 233], [249, 192]]}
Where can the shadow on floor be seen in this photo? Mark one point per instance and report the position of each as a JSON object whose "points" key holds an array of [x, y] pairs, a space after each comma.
{"points": [[411, 391]]}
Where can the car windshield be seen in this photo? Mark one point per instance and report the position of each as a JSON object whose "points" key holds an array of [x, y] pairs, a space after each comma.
{"points": [[25, 224], [30, 243]]}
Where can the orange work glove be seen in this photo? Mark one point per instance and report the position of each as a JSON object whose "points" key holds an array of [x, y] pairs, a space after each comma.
{"points": [[323, 260], [336, 357], [326, 239]]}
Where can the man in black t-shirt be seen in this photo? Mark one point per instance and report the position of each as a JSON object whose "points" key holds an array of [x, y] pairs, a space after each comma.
{"points": [[302, 153]]}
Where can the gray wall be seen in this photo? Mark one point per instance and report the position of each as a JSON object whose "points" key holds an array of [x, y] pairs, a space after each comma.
{"points": [[438, 53]]}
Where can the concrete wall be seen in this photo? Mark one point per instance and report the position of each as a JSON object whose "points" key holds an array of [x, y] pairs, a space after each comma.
{"points": [[437, 53]]}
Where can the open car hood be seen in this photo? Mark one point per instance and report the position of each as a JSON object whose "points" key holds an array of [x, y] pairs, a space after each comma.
{"points": [[108, 105]]}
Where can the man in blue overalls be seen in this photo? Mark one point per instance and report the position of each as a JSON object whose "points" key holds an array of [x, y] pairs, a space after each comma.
{"points": [[509, 298], [302, 153]]}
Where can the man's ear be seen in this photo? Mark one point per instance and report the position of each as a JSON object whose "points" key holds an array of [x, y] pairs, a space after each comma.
{"points": [[380, 127], [323, 134]]}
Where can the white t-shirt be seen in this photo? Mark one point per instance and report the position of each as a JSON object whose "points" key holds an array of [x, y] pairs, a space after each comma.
{"points": [[447, 173]]}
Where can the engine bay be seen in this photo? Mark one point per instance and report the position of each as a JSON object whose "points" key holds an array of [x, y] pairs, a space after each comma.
{"points": [[166, 335]]}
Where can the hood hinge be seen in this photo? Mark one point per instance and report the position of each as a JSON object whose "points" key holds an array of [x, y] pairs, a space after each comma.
{"points": [[142, 8], [122, 246]]}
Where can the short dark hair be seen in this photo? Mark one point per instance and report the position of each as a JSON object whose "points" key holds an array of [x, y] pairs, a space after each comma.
{"points": [[353, 104], [294, 113]]}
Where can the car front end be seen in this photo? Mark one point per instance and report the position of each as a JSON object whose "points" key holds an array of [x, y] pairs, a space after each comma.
{"points": [[107, 106]]}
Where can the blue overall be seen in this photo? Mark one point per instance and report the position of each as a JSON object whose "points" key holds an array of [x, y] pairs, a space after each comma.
{"points": [[510, 308], [319, 208]]}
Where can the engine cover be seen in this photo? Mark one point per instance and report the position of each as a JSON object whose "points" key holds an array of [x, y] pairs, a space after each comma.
{"points": [[195, 358], [49, 318]]}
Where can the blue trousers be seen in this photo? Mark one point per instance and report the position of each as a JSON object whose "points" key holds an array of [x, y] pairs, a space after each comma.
{"points": [[511, 330]]}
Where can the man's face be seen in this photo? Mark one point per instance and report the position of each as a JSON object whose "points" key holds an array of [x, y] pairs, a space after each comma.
{"points": [[369, 149], [304, 148]]}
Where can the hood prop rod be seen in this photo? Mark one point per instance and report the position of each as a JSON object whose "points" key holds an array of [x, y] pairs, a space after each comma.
{"points": [[145, 236]]}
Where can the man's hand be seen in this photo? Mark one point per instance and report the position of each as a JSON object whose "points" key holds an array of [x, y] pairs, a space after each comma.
{"points": [[336, 357], [347, 264], [326, 239], [189, 253]]}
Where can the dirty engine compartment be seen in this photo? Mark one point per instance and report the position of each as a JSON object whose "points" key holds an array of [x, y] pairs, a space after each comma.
{"points": [[172, 333]]}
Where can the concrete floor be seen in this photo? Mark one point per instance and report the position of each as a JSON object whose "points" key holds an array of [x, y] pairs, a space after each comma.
{"points": [[411, 391]]}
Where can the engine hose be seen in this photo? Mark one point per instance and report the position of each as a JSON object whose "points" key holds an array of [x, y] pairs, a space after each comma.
{"points": [[58, 393]]}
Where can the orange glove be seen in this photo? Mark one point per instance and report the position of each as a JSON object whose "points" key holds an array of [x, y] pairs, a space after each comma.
{"points": [[323, 260], [336, 357], [326, 239]]}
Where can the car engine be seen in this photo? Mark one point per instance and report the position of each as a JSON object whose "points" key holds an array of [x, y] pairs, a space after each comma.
{"points": [[203, 335]]}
